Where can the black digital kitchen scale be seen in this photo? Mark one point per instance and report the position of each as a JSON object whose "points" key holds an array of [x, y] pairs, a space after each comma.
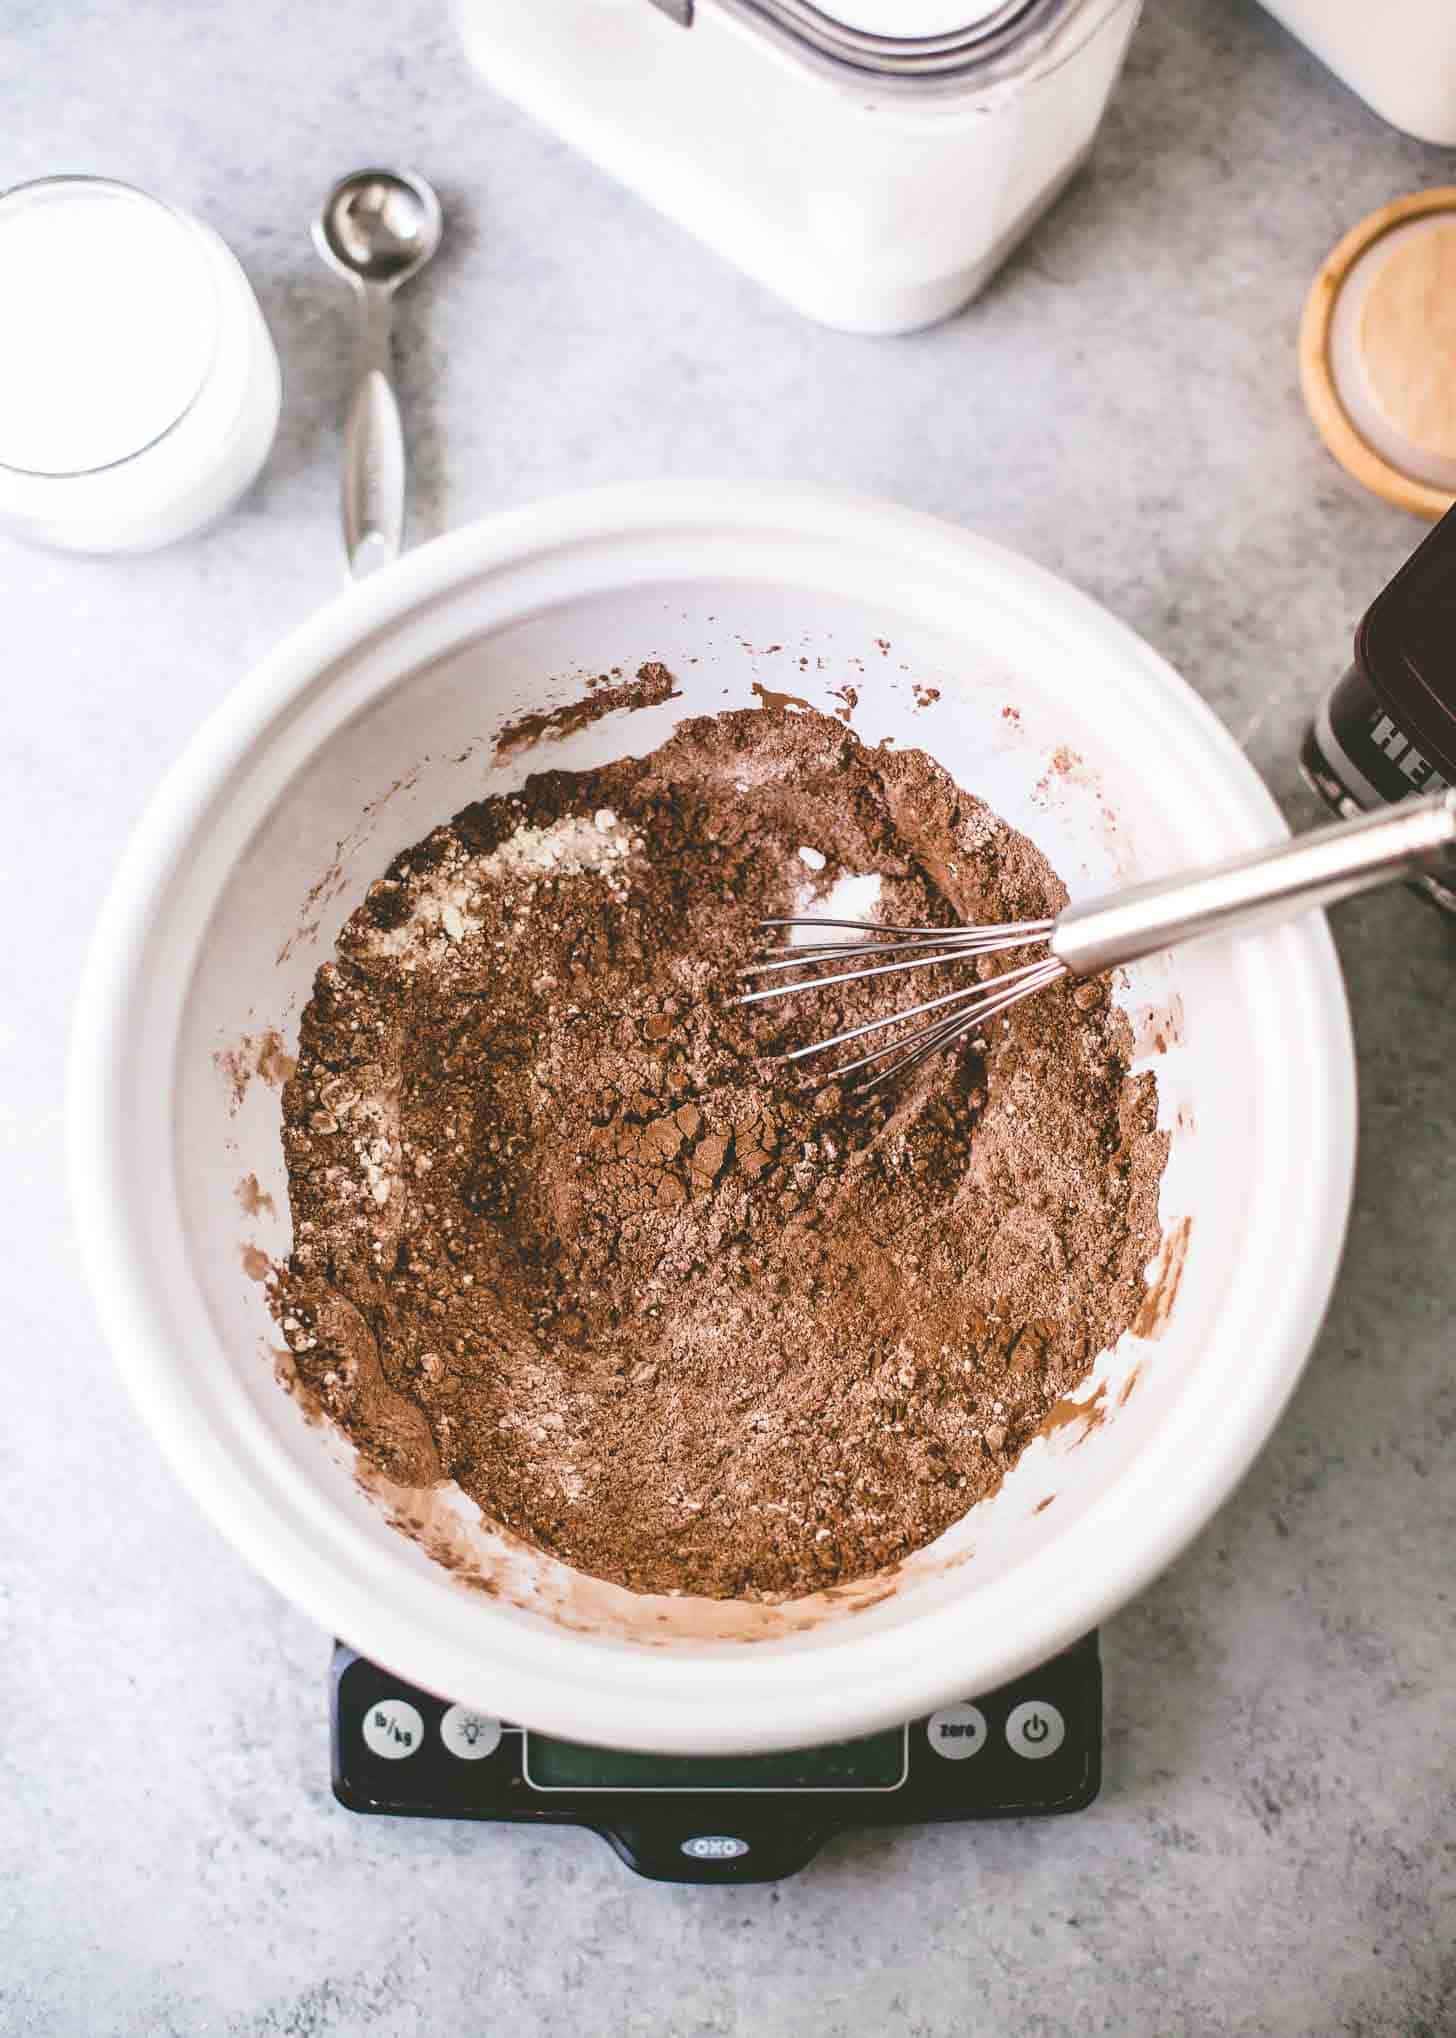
{"points": [[1031, 1748]]}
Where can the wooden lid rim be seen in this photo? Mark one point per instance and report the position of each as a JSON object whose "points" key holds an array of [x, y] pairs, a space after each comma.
{"points": [[1354, 453]]}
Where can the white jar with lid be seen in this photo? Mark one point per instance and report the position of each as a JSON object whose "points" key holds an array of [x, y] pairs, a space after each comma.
{"points": [[872, 161], [139, 386]]}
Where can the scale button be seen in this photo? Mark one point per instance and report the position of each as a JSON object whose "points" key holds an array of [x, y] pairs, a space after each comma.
{"points": [[957, 1731], [470, 1735], [393, 1728], [1035, 1729]]}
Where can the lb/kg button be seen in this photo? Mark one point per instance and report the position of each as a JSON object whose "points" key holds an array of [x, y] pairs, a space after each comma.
{"points": [[393, 1729], [1035, 1729]]}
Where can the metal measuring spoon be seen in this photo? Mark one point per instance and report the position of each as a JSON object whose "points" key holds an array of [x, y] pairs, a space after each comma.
{"points": [[377, 228]]}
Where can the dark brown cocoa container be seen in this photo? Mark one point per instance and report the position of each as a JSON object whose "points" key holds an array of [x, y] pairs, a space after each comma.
{"points": [[1387, 729]]}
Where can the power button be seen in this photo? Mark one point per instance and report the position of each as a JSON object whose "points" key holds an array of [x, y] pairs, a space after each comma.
{"points": [[1035, 1729]]}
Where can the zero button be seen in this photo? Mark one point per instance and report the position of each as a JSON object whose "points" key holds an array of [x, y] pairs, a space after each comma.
{"points": [[956, 1731]]}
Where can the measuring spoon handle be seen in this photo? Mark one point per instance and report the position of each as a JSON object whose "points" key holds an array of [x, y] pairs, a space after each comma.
{"points": [[374, 460]]}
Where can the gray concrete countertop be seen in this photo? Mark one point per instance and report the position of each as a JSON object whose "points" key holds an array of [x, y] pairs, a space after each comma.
{"points": [[1274, 1850]]}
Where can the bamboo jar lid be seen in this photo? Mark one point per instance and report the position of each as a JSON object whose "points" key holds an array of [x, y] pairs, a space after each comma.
{"points": [[1377, 352]]}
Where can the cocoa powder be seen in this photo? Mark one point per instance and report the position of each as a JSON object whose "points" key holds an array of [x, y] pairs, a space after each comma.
{"points": [[681, 1317]]}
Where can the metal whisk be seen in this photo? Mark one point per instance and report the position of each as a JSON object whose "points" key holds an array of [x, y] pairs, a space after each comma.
{"points": [[1263, 886]]}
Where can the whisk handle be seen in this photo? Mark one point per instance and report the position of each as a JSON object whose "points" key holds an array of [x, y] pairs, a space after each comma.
{"points": [[1256, 889]]}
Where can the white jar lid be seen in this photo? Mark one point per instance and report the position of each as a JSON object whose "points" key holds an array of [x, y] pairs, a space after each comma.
{"points": [[110, 323]]}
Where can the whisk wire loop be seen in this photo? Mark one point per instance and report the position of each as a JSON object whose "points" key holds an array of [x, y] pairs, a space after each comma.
{"points": [[818, 965], [1258, 887]]}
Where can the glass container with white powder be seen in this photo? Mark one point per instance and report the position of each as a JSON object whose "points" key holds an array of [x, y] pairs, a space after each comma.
{"points": [[139, 386], [872, 161]]}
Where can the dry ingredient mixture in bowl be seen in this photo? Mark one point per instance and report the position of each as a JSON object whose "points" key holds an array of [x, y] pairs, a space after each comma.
{"points": [[690, 1321], [510, 1346]]}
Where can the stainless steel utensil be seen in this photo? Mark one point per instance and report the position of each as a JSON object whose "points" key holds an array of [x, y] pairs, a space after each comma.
{"points": [[377, 228], [1317, 869]]}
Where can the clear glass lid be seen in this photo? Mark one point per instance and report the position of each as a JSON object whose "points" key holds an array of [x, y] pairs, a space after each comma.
{"points": [[914, 20], [914, 40]]}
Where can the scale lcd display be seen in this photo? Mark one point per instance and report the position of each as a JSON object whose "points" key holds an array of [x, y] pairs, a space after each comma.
{"points": [[874, 1762]]}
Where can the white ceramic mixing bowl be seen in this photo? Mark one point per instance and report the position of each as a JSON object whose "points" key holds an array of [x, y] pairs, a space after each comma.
{"points": [[379, 719]]}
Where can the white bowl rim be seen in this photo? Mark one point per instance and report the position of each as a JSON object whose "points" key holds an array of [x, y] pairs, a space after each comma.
{"points": [[763, 1695]]}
